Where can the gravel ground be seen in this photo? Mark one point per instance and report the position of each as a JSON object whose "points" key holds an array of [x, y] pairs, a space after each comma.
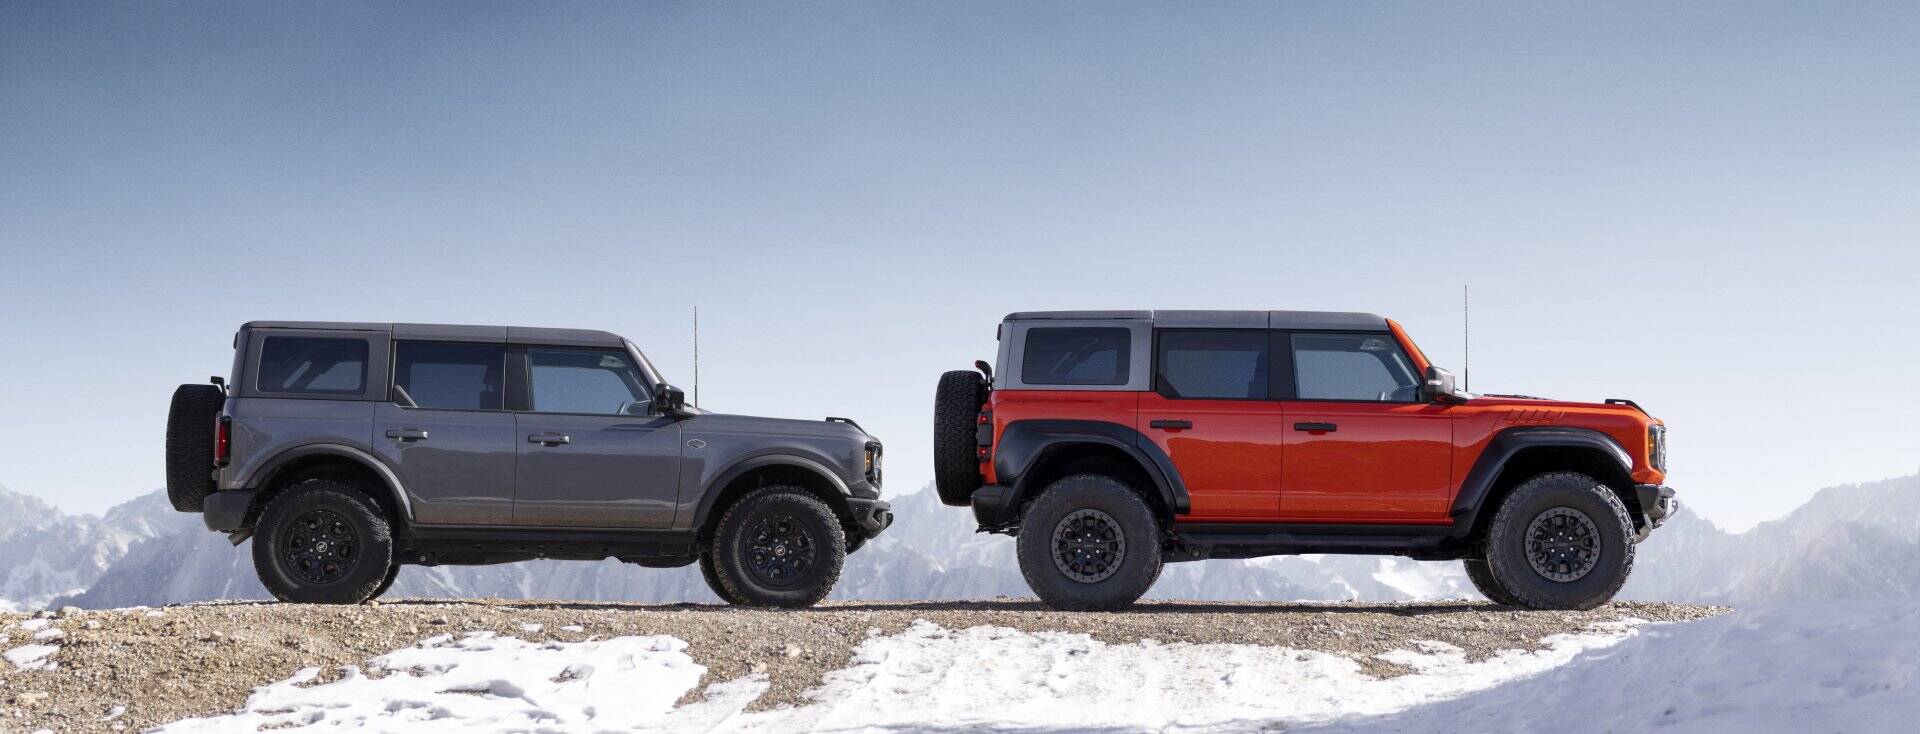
{"points": [[167, 664]]}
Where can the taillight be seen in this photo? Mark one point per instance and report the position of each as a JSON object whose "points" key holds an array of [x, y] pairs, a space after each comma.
{"points": [[222, 440]]}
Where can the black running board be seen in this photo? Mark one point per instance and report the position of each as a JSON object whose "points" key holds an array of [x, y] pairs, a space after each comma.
{"points": [[1196, 541]]}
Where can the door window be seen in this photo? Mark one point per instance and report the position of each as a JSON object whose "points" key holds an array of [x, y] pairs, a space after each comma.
{"points": [[1353, 367], [1076, 356], [1212, 364], [590, 381], [449, 375], [312, 365]]}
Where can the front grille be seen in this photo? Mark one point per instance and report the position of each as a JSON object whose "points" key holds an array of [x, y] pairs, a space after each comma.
{"points": [[1657, 447]]}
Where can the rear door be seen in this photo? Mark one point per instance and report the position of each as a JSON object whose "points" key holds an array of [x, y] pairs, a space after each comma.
{"points": [[446, 431], [592, 451], [1211, 410], [1360, 446]]}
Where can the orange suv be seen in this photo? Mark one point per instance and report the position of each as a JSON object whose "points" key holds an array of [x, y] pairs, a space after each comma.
{"points": [[1111, 442]]}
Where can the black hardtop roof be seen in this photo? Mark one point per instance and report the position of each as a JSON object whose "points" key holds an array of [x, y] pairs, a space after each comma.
{"points": [[1220, 319], [458, 332]]}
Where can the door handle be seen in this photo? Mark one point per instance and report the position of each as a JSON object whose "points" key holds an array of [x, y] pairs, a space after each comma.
{"points": [[1171, 424], [407, 434], [549, 439], [1312, 427]]}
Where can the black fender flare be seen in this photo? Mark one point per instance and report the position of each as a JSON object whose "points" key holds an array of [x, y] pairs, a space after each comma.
{"points": [[395, 489], [710, 493], [1505, 445], [1024, 444]]}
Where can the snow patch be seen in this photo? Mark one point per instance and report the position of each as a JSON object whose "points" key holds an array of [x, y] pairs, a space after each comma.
{"points": [[483, 682], [32, 657]]}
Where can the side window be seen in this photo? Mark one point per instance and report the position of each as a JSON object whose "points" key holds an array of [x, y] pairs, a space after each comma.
{"points": [[1076, 356], [592, 381], [1212, 364], [449, 375], [312, 365], [1353, 367]]}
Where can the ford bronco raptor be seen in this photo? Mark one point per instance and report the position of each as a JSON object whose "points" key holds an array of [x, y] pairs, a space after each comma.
{"points": [[1111, 442], [348, 450]]}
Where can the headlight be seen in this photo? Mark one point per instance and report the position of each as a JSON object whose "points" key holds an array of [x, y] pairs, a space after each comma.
{"points": [[873, 463], [1657, 447]]}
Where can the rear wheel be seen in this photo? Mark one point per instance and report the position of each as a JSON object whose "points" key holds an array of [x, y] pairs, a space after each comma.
{"points": [[778, 546], [956, 417], [712, 574], [190, 434], [323, 542], [1089, 543], [1559, 541]]}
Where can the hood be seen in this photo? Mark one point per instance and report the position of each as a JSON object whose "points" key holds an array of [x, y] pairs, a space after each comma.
{"points": [[1611, 405], [731, 423]]}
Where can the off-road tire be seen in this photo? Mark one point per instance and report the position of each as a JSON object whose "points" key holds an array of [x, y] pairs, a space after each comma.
{"points": [[1139, 562], [956, 451], [190, 445], [741, 578], [359, 576], [1482, 577], [1505, 548], [712, 575]]}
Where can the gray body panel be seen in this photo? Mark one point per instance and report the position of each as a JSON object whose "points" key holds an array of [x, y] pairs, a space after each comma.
{"points": [[613, 472], [462, 473], [475, 469]]}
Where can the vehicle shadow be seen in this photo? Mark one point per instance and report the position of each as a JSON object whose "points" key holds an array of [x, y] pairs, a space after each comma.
{"points": [[1024, 606]]}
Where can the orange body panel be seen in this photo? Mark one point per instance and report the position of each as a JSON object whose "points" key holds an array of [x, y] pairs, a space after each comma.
{"points": [[1230, 460]]}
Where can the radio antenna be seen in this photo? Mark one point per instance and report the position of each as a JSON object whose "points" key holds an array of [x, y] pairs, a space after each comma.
{"points": [[696, 355], [1466, 337]]}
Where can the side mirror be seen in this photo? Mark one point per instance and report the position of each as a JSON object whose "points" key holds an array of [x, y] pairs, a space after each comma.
{"points": [[1439, 387], [669, 400]]}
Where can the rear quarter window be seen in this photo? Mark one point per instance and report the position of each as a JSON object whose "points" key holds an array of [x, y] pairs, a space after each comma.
{"points": [[1076, 356], [301, 365]]}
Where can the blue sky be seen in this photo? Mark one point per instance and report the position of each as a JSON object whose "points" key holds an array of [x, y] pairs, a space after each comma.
{"points": [[1709, 208]]}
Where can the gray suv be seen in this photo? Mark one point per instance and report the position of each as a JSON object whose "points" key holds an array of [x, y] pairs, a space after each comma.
{"points": [[348, 450]]}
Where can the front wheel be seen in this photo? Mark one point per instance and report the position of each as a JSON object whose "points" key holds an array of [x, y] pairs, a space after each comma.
{"points": [[1089, 543], [1559, 541], [323, 542], [777, 546]]}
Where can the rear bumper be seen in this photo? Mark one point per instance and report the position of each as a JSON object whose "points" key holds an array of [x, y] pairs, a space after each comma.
{"points": [[226, 511], [1658, 502], [993, 506], [873, 516]]}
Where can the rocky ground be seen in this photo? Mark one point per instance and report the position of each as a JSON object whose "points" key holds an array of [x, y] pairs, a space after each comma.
{"points": [[126, 670]]}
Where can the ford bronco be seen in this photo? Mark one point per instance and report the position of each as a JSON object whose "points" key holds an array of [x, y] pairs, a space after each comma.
{"points": [[1111, 442], [348, 450]]}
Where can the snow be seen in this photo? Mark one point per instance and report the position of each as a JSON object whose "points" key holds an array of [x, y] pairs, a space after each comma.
{"points": [[1814, 667], [483, 682], [32, 657], [925, 677], [1828, 667]]}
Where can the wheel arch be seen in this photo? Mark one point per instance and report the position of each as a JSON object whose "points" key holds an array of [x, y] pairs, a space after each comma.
{"points": [[1032, 454], [331, 461], [1518, 454], [752, 473]]}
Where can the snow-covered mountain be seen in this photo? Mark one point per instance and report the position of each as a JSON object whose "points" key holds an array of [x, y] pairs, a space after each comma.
{"points": [[45, 553], [1847, 542]]}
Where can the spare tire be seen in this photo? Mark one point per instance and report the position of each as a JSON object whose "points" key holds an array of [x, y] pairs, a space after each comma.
{"points": [[190, 445], [956, 415]]}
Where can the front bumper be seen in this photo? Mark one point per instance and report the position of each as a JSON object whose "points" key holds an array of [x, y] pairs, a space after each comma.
{"points": [[1658, 502], [872, 515], [226, 511]]}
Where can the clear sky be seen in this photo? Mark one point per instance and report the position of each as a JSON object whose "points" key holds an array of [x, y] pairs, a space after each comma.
{"points": [[1712, 208]]}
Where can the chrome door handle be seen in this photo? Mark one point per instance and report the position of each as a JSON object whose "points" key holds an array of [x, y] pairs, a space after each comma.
{"points": [[407, 434], [549, 439]]}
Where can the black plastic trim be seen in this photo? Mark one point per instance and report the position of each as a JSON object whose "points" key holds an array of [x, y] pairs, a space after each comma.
{"points": [[1024, 444], [1196, 541], [711, 493], [1509, 443], [226, 511]]}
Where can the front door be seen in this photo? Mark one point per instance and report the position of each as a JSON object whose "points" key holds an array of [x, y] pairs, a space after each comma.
{"points": [[1360, 446], [593, 454], [1211, 412], [447, 433]]}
